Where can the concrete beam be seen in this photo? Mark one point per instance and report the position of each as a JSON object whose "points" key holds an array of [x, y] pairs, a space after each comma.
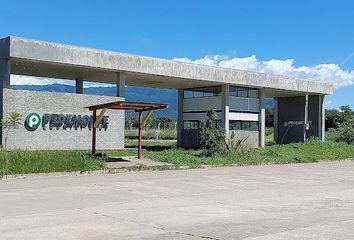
{"points": [[261, 118], [179, 117], [79, 85], [120, 81], [142, 70]]}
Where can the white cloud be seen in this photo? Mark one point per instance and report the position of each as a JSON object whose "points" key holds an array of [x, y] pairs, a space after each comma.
{"points": [[40, 81], [97, 85], [328, 103], [326, 72], [29, 80]]}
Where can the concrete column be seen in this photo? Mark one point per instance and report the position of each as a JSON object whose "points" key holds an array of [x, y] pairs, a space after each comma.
{"points": [[225, 108], [4, 83], [180, 118], [306, 116], [275, 121], [4, 73], [121, 77], [322, 118], [4, 63], [261, 118], [79, 85]]}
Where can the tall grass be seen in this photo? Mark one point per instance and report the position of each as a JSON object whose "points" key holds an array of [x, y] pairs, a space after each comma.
{"points": [[21, 162], [310, 151]]}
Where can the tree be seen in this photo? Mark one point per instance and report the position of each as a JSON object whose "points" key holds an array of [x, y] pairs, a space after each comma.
{"points": [[132, 122], [164, 121], [211, 138], [335, 118], [12, 121], [346, 130]]}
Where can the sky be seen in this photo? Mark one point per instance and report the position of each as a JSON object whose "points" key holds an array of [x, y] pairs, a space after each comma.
{"points": [[308, 39]]}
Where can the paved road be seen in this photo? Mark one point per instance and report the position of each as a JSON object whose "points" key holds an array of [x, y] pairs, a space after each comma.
{"points": [[303, 201]]}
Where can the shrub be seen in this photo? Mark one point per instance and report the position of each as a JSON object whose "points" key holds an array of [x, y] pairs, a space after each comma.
{"points": [[345, 131], [268, 131], [238, 145], [335, 118], [211, 138]]}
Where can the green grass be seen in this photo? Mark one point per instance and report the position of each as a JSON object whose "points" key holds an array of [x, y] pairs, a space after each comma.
{"points": [[269, 133], [21, 162], [311, 151]]}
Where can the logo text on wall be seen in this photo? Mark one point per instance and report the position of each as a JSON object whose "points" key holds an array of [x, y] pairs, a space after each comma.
{"points": [[50, 121]]}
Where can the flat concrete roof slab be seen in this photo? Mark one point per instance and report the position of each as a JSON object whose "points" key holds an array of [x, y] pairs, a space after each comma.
{"points": [[47, 59]]}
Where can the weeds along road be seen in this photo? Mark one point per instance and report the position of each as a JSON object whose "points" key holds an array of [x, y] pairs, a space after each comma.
{"points": [[296, 201]]}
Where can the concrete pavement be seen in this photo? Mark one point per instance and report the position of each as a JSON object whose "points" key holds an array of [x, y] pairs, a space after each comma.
{"points": [[302, 201]]}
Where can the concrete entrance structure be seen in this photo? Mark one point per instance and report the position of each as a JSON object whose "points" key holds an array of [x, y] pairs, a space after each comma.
{"points": [[237, 96]]}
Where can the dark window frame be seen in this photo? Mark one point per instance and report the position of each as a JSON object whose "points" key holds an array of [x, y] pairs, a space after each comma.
{"points": [[216, 91], [244, 125], [191, 123], [235, 92]]}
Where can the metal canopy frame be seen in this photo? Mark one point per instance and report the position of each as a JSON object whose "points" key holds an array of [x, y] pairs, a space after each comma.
{"points": [[123, 105]]}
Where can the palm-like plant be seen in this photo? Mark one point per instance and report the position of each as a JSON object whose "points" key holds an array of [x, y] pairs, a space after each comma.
{"points": [[12, 121]]}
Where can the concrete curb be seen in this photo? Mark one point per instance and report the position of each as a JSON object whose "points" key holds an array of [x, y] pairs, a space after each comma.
{"points": [[95, 172], [143, 169]]}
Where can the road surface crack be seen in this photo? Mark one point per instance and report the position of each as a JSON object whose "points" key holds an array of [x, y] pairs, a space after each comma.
{"points": [[196, 235], [159, 228]]}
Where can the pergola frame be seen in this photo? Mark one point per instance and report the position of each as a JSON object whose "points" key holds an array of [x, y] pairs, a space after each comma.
{"points": [[139, 107]]}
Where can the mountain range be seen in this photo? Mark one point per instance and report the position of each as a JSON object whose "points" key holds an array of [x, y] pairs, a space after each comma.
{"points": [[134, 94]]}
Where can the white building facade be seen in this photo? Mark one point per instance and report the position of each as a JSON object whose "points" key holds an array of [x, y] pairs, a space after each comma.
{"points": [[238, 110]]}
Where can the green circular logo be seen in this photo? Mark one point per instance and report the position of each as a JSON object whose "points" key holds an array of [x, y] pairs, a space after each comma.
{"points": [[33, 120]]}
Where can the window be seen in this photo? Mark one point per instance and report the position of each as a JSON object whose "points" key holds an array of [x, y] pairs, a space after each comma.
{"points": [[186, 125], [243, 125], [187, 94], [233, 91], [202, 92], [218, 123], [243, 92], [198, 92], [235, 125], [191, 124], [210, 91], [253, 93]]}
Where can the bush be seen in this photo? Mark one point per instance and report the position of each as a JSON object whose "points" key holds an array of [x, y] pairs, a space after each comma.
{"points": [[335, 118], [268, 131], [211, 138], [345, 131], [238, 145]]}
